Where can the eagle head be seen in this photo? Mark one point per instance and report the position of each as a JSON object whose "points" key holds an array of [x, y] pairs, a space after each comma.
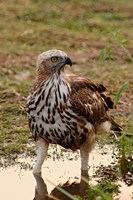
{"points": [[52, 61]]}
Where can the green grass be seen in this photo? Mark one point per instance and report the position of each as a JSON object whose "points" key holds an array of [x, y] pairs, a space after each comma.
{"points": [[97, 35], [117, 97]]}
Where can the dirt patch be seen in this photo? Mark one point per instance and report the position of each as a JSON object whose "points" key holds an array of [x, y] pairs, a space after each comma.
{"points": [[14, 60]]}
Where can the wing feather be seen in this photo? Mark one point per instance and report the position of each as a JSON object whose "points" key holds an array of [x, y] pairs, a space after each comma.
{"points": [[88, 99]]}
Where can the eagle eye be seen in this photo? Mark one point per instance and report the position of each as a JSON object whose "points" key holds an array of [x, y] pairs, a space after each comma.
{"points": [[54, 59]]}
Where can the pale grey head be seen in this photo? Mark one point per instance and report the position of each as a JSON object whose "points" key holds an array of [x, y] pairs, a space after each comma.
{"points": [[53, 60]]}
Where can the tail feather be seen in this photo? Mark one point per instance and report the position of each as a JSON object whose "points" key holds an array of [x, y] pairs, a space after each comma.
{"points": [[115, 127]]}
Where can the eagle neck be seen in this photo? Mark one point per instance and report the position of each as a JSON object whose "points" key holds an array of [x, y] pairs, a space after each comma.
{"points": [[57, 90]]}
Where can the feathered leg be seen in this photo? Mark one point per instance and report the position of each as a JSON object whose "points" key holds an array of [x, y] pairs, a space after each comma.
{"points": [[84, 153], [85, 149], [41, 149]]}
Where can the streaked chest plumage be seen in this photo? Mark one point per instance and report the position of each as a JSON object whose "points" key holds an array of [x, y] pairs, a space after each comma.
{"points": [[50, 115]]}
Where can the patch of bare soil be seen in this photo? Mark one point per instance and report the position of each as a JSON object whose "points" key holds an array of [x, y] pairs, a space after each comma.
{"points": [[113, 9], [16, 60], [13, 97]]}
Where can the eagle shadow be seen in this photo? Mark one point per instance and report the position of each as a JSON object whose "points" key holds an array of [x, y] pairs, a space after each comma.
{"points": [[78, 188]]}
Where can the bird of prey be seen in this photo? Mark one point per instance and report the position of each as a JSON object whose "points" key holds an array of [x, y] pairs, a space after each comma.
{"points": [[65, 109]]}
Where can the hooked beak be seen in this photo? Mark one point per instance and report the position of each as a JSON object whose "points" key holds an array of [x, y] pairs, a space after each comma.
{"points": [[68, 61]]}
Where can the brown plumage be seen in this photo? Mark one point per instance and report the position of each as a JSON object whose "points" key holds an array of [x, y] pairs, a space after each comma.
{"points": [[66, 109]]}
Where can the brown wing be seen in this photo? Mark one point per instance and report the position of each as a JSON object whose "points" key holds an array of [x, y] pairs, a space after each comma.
{"points": [[88, 99]]}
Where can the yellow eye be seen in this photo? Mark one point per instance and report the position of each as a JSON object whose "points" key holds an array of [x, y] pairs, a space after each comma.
{"points": [[54, 59]]}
